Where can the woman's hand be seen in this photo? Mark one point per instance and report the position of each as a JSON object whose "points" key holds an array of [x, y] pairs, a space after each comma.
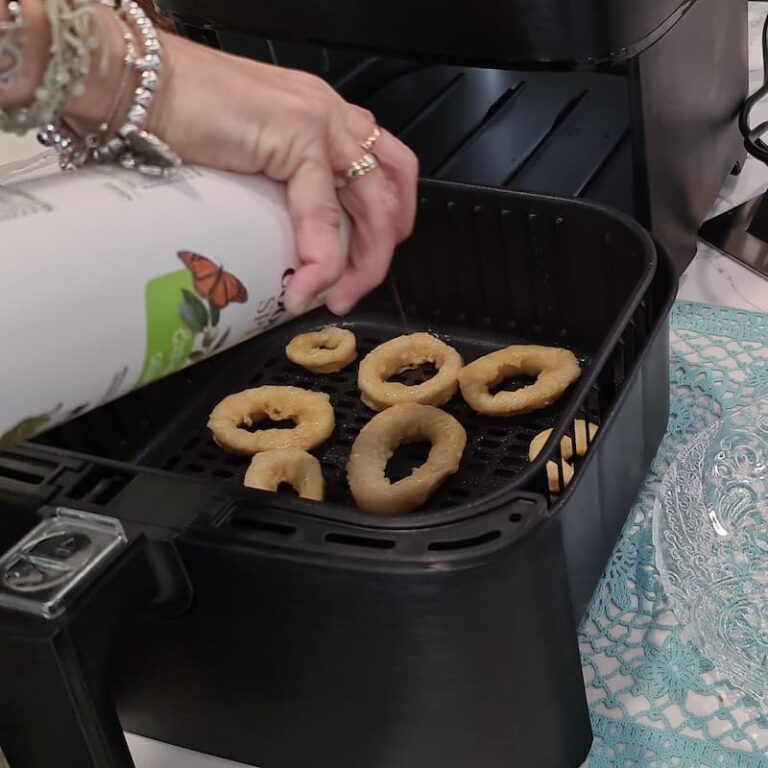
{"points": [[240, 115]]}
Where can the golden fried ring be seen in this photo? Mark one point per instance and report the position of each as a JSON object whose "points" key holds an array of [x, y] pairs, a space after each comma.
{"points": [[312, 412], [566, 451], [555, 370], [298, 468], [377, 442], [325, 351], [405, 353]]}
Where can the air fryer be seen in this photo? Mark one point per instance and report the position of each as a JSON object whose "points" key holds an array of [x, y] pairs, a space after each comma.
{"points": [[287, 634]]}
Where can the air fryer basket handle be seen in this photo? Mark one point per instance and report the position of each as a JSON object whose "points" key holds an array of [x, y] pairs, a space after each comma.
{"points": [[56, 708]]}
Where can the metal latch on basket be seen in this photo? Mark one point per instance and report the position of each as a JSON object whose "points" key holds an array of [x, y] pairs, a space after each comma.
{"points": [[59, 557]]}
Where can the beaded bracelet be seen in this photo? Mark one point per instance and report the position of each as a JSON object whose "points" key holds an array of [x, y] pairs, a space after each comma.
{"points": [[75, 147], [131, 146], [74, 37], [11, 46]]}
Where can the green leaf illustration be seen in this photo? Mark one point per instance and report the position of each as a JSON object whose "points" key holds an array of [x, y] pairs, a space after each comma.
{"points": [[215, 314], [196, 309], [26, 429], [188, 316], [220, 343]]}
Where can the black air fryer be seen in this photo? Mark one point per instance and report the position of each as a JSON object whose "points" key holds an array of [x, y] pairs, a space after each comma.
{"points": [[143, 588], [631, 103]]}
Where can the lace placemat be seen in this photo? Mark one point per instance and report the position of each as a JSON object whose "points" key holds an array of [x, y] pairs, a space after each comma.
{"points": [[655, 701]]}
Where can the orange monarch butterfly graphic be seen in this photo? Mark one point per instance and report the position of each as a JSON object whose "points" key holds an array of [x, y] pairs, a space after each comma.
{"points": [[212, 281]]}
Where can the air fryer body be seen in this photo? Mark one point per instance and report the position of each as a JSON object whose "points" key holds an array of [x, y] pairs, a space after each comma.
{"points": [[288, 664], [630, 103]]}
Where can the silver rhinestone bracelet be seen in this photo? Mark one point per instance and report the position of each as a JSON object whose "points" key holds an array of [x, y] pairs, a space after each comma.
{"points": [[132, 147]]}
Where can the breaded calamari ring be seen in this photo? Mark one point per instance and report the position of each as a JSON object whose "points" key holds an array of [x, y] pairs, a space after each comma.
{"points": [[377, 442], [555, 370], [301, 470], [405, 353], [312, 412], [566, 451], [325, 351]]}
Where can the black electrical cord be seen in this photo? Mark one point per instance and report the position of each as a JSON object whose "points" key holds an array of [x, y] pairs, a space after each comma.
{"points": [[753, 137]]}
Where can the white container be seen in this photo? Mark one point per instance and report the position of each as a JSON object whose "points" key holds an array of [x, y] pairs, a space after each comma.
{"points": [[111, 280]]}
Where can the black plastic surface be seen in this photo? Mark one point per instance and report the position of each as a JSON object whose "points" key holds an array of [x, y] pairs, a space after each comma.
{"points": [[686, 93], [289, 663], [564, 32], [615, 472], [56, 708], [532, 131]]}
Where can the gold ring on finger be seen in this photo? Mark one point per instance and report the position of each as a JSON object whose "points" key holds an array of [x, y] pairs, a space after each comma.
{"points": [[367, 163], [370, 143]]}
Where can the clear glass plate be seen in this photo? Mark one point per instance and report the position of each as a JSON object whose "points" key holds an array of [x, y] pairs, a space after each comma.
{"points": [[710, 530]]}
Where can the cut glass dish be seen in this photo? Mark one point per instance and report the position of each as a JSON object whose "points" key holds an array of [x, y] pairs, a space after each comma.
{"points": [[710, 531]]}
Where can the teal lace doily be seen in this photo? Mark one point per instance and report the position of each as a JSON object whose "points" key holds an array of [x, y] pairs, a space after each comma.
{"points": [[655, 701]]}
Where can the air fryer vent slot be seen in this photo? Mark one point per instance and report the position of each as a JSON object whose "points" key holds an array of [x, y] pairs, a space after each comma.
{"points": [[368, 542], [99, 485], [32, 461], [468, 543], [21, 469], [19, 476], [243, 521]]}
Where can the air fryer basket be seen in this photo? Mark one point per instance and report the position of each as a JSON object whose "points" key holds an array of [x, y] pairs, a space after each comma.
{"points": [[484, 269]]}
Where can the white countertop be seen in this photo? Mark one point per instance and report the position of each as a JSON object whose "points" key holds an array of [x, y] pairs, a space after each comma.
{"points": [[716, 279], [152, 754], [711, 278]]}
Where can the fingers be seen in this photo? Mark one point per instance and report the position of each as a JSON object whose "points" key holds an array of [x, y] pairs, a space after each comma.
{"points": [[402, 168], [316, 214], [372, 242], [398, 163], [382, 207]]}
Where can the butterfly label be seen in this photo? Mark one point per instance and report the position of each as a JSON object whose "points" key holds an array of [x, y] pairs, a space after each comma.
{"points": [[184, 312], [201, 266]]}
